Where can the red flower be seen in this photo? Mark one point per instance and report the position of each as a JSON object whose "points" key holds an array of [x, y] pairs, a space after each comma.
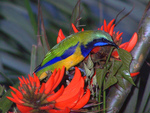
{"points": [[134, 74], [33, 97], [128, 46]]}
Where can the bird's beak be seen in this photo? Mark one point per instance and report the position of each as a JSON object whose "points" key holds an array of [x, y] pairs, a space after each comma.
{"points": [[113, 44]]}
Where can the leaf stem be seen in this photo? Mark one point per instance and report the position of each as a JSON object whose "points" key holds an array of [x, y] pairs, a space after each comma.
{"points": [[104, 98]]}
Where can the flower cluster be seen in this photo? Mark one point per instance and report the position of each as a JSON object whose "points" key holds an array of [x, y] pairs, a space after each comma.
{"points": [[35, 98]]}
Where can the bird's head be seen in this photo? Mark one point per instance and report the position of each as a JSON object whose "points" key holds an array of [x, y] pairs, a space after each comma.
{"points": [[97, 38], [90, 39]]}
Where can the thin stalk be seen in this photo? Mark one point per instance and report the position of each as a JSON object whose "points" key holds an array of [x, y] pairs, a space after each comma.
{"points": [[104, 98], [104, 91], [99, 99]]}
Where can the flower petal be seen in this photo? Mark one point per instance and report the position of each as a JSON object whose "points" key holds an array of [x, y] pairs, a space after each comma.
{"points": [[71, 102], [82, 101], [111, 30], [74, 28], [51, 106], [66, 110], [13, 100], [132, 42], [58, 79], [56, 95], [69, 93], [36, 80], [118, 36], [110, 24], [18, 93], [105, 26], [60, 37], [16, 98], [134, 74], [82, 29], [49, 84], [31, 80], [24, 109], [102, 28], [75, 79], [42, 88]]}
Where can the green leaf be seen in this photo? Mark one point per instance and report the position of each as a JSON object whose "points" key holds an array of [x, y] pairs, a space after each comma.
{"points": [[1, 90], [89, 73], [90, 63], [100, 74], [17, 15], [31, 15], [75, 15], [125, 57], [15, 63], [33, 59], [17, 33], [115, 67], [7, 78], [126, 74], [44, 37], [120, 80], [40, 54], [5, 104], [110, 81]]}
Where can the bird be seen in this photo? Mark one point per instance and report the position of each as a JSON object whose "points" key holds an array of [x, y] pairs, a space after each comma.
{"points": [[72, 50]]}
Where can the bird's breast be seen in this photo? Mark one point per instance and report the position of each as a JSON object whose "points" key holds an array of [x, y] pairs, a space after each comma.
{"points": [[70, 61]]}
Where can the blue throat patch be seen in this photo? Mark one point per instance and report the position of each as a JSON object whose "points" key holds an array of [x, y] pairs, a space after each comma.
{"points": [[86, 49]]}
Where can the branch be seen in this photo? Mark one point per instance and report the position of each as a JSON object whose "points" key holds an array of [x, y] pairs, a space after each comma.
{"points": [[117, 96]]}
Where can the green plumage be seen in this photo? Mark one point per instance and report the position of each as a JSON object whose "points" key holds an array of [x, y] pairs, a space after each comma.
{"points": [[75, 45]]}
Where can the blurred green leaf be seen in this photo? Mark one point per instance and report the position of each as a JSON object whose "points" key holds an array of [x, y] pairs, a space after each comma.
{"points": [[17, 15], [75, 18], [31, 15], [65, 6], [90, 63], [40, 54], [111, 80], [100, 74], [33, 59], [126, 59], [17, 33], [5, 104], [7, 78], [89, 73], [115, 67], [15, 63], [126, 74], [44, 36], [1, 90], [120, 80]]}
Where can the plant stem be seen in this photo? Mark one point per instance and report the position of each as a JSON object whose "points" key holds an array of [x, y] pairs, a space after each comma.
{"points": [[104, 98]]}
